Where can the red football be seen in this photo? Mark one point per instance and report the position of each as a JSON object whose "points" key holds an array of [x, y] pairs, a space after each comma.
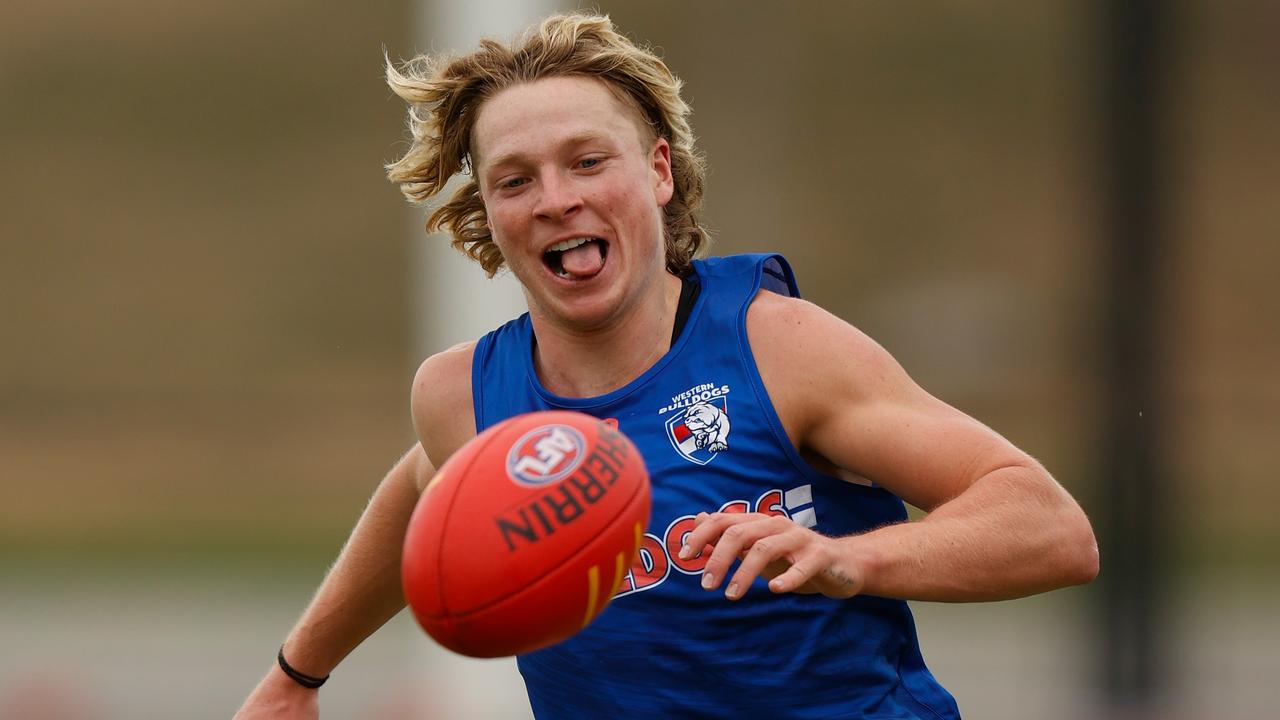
{"points": [[525, 534]]}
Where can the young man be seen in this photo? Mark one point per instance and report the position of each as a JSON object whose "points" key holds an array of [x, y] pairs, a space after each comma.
{"points": [[773, 431]]}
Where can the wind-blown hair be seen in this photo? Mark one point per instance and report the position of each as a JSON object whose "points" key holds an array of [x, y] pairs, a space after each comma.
{"points": [[445, 94]]}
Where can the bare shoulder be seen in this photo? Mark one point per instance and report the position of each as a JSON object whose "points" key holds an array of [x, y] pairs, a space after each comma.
{"points": [[810, 359], [443, 416], [793, 319], [846, 401]]}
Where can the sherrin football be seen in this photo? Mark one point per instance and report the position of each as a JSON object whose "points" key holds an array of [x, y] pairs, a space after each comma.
{"points": [[525, 534]]}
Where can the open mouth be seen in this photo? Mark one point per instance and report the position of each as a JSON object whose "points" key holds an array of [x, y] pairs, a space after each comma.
{"points": [[577, 259]]}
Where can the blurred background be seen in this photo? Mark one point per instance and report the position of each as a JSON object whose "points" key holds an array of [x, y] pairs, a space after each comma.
{"points": [[1061, 217]]}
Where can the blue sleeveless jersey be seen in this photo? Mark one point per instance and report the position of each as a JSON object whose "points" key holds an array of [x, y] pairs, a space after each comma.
{"points": [[664, 647]]}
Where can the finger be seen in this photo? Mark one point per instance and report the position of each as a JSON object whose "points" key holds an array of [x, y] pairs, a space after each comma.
{"points": [[804, 567], [736, 539], [699, 521], [771, 549], [707, 528], [777, 567]]}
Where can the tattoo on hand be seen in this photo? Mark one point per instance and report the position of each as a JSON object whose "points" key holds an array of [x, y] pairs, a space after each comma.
{"points": [[839, 577]]}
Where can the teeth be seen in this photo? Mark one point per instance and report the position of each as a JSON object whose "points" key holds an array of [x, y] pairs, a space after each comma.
{"points": [[569, 244]]}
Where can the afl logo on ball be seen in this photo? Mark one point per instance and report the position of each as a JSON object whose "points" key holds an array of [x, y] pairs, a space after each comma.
{"points": [[545, 455]]}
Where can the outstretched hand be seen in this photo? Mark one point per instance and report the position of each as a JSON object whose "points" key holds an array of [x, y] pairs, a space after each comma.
{"points": [[794, 558]]}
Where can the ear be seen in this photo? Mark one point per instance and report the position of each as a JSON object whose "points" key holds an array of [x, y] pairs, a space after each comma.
{"points": [[663, 184]]}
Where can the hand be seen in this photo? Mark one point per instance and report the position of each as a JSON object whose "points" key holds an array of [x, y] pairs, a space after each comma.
{"points": [[277, 696], [795, 558]]}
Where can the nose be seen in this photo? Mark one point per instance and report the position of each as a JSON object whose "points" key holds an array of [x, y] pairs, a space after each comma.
{"points": [[558, 199]]}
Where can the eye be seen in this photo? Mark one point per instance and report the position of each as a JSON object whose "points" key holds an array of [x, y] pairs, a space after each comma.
{"points": [[513, 183], [589, 163]]}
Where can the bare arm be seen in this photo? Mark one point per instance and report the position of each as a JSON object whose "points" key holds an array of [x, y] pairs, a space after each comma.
{"points": [[999, 526], [360, 593], [362, 590]]}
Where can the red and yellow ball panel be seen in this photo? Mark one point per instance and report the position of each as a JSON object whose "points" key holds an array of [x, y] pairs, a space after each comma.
{"points": [[526, 534]]}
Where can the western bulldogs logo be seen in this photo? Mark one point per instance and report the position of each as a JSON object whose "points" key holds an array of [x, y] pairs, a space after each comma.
{"points": [[702, 431], [545, 455], [709, 425]]}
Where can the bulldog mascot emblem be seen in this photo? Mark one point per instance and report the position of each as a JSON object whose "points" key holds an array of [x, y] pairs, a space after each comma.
{"points": [[702, 431], [709, 425]]}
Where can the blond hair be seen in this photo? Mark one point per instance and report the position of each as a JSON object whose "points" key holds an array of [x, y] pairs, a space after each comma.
{"points": [[445, 95]]}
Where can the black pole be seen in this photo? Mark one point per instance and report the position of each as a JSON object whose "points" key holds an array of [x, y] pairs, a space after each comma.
{"points": [[1133, 522]]}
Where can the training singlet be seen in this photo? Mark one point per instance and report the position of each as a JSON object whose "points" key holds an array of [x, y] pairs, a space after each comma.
{"points": [[664, 647]]}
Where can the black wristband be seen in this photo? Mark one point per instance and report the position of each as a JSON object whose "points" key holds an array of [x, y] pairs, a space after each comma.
{"points": [[302, 679]]}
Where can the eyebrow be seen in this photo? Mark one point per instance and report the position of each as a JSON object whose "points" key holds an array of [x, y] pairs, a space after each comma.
{"points": [[579, 138]]}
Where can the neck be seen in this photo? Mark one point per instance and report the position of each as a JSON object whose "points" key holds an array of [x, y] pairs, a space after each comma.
{"points": [[587, 363]]}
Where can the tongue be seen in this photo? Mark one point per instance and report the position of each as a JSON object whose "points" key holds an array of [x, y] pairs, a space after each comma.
{"points": [[583, 261]]}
